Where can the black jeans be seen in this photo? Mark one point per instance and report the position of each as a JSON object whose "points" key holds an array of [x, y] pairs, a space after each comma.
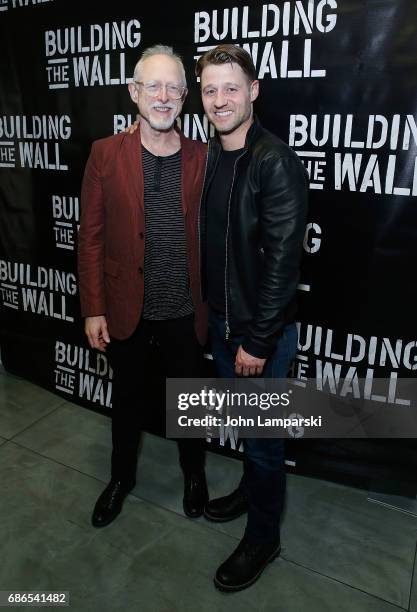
{"points": [[138, 399]]}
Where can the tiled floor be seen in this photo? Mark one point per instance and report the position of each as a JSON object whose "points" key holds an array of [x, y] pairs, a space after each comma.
{"points": [[340, 552]]}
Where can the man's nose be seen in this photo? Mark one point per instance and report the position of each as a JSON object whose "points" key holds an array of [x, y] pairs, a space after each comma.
{"points": [[163, 93], [220, 99]]}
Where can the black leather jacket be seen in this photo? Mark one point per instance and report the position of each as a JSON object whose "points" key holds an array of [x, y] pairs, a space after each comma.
{"points": [[266, 223]]}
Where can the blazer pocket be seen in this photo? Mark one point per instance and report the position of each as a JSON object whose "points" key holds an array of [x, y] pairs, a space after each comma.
{"points": [[111, 267]]}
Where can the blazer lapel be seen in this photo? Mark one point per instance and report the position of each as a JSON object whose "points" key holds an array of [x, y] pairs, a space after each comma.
{"points": [[186, 172], [133, 166]]}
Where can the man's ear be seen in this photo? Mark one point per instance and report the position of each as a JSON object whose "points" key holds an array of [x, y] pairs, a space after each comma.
{"points": [[133, 90], [254, 90]]}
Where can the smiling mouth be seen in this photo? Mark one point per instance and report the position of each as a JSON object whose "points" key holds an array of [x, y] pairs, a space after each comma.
{"points": [[162, 109], [223, 113]]}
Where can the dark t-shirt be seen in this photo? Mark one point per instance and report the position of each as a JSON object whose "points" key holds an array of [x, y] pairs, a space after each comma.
{"points": [[167, 285], [217, 207]]}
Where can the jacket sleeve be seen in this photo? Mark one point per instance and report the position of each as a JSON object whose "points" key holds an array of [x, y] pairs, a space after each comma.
{"points": [[282, 218], [91, 240]]}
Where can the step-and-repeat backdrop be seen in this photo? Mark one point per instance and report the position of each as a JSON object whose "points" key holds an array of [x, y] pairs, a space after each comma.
{"points": [[338, 82]]}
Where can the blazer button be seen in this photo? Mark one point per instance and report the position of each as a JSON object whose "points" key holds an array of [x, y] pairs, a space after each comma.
{"points": [[140, 270], [141, 236]]}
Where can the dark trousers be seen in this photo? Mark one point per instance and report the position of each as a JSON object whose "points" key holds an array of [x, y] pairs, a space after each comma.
{"points": [[263, 478], [138, 398]]}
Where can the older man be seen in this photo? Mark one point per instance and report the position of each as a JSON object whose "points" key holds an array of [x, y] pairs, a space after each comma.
{"points": [[138, 263]]}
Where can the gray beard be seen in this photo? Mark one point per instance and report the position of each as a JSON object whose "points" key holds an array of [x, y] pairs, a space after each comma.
{"points": [[162, 126]]}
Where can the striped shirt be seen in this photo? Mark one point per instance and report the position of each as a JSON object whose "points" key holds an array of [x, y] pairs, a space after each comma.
{"points": [[167, 285]]}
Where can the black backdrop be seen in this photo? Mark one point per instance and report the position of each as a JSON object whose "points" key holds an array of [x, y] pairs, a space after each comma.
{"points": [[338, 82]]}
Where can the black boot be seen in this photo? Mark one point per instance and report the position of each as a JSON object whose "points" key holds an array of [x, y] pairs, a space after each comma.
{"points": [[195, 494], [246, 564], [110, 503], [226, 508]]}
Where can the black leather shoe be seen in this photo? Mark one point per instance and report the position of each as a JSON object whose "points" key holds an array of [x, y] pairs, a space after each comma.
{"points": [[110, 503], [245, 565], [226, 508], [195, 494]]}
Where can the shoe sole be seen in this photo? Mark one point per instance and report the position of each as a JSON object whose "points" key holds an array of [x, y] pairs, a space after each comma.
{"points": [[217, 519], [231, 589]]}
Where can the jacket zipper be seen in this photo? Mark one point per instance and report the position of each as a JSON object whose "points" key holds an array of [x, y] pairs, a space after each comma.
{"points": [[227, 326]]}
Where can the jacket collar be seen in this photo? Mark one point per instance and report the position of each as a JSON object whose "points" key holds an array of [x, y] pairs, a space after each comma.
{"points": [[253, 132]]}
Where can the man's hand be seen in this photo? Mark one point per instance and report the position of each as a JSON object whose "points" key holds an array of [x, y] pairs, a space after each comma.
{"points": [[131, 129], [97, 334], [247, 365]]}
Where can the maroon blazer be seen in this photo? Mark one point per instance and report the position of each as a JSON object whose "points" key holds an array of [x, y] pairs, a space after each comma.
{"points": [[111, 238]]}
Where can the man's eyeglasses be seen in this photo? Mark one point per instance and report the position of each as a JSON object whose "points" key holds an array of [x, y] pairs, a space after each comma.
{"points": [[174, 92]]}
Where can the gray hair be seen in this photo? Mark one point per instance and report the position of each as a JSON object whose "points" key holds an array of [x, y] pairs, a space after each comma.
{"points": [[159, 50]]}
